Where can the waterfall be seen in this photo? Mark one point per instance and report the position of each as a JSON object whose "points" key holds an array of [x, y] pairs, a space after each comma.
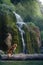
{"points": [[20, 24]]}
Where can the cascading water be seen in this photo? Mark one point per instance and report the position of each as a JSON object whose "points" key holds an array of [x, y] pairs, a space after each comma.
{"points": [[20, 24]]}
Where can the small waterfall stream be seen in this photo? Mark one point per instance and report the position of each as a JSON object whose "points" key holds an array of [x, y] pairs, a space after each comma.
{"points": [[20, 23]]}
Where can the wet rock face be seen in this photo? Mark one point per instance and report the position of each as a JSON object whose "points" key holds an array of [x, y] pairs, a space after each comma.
{"points": [[8, 40], [10, 34], [33, 41], [7, 24], [6, 43], [37, 34], [38, 37]]}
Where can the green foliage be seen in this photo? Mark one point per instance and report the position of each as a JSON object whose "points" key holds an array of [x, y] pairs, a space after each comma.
{"points": [[42, 37], [1, 1], [31, 38], [7, 24], [30, 11]]}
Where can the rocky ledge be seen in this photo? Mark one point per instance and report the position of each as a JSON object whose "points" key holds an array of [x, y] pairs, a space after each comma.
{"points": [[22, 57]]}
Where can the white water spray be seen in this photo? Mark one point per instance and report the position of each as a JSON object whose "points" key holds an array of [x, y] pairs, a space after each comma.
{"points": [[20, 23]]}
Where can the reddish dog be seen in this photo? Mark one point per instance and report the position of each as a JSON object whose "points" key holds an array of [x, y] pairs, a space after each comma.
{"points": [[10, 50]]}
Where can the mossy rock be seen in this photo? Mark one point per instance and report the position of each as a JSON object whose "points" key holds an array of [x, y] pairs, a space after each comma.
{"points": [[7, 24], [32, 33]]}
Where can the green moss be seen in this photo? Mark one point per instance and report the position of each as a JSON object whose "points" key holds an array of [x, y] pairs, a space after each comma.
{"points": [[31, 38], [7, 22]]}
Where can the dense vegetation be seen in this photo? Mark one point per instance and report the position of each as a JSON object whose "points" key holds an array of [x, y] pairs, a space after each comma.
{"points": [[31, 13]]}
